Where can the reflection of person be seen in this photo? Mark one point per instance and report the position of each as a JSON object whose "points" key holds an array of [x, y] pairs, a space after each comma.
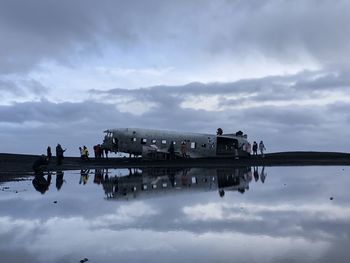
{"points": [[41, 184], [256, 174], [221, 193], [84, 176], [263, 175], [249, 175], [59, 180], [98, 176]]}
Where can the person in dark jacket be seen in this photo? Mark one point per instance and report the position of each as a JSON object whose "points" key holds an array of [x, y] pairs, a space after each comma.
{"points": [[255, 148], [39, 164], [49, 153], [59, 154]]}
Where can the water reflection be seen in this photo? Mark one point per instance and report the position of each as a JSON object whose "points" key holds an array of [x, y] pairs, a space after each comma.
{"points": [[40, 183], [140, 183], [151, 181], [84, 176], [289, 218]]}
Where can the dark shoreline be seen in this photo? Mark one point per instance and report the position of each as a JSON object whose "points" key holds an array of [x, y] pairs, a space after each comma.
{"points": [[21, 163]]}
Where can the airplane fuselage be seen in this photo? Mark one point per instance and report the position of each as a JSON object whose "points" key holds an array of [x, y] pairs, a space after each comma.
{"points": [[147, 141]]}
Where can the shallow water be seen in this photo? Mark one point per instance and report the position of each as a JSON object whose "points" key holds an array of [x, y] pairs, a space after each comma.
{"points": [[279, 214]]}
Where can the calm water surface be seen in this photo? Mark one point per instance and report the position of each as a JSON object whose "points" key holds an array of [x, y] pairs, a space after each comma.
{"points": [[275, 214]]}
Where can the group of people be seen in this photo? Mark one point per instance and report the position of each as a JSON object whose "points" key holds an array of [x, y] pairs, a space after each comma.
{"points": [[44, 160], [261, 148], [100, 152], [84, 153]]}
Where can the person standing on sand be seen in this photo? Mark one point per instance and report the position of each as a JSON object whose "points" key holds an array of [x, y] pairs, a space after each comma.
{"points": [[85, 153], [262, 148], [81, 153], [59, 154], [49, 153], [255, 148]]}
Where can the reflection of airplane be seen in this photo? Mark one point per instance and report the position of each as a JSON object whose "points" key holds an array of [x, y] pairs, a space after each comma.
{"points": [[157, 144], [155, 181]]}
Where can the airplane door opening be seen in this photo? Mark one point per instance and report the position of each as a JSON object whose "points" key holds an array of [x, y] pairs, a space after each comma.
{"points": [[226, 146]]}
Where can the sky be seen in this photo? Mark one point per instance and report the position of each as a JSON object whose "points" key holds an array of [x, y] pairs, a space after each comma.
{"points": [[277, 70]]}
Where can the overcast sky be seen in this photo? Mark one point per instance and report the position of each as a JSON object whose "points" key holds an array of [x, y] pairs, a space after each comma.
{"points": [[278, 70]]}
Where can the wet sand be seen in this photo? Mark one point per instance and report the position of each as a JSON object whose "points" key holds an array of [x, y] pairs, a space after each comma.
{"points": [[20, 163]]}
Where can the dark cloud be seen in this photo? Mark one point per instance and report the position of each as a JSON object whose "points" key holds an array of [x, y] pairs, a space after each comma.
{"points": [[303, 85], [39, 30]]}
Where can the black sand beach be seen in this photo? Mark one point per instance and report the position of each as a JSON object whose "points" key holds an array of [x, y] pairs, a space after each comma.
{"points": [[15, 163]]}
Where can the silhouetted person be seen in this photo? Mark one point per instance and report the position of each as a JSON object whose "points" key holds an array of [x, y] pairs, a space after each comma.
{"points": [[171, 151], [96, 151], [106, 153], [59, 154], [49, 153], [221, 193], [40, 164], [81, 153], [184, 149], [219, 131], [255, 148], [100, 151], [59, 180], [41, 184]]}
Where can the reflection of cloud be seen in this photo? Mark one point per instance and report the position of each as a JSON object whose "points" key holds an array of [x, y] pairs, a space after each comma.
{"points": [[76, 235], [226, 211], [218, 212], [126, 214]]}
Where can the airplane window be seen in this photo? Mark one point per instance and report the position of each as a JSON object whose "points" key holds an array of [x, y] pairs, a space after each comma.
{"points": [[163, 141], [144, 187], [164, 185], [133, 139], [193, 145], [143, 141], [154, 186], [154, 141]]}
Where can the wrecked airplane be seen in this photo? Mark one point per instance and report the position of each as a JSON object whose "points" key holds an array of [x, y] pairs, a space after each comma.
{"points": [[158, 144]]}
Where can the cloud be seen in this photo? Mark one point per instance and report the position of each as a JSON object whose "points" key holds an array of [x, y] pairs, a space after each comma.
{"points": [[35, 32], [21, 89], [280, 107]]}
